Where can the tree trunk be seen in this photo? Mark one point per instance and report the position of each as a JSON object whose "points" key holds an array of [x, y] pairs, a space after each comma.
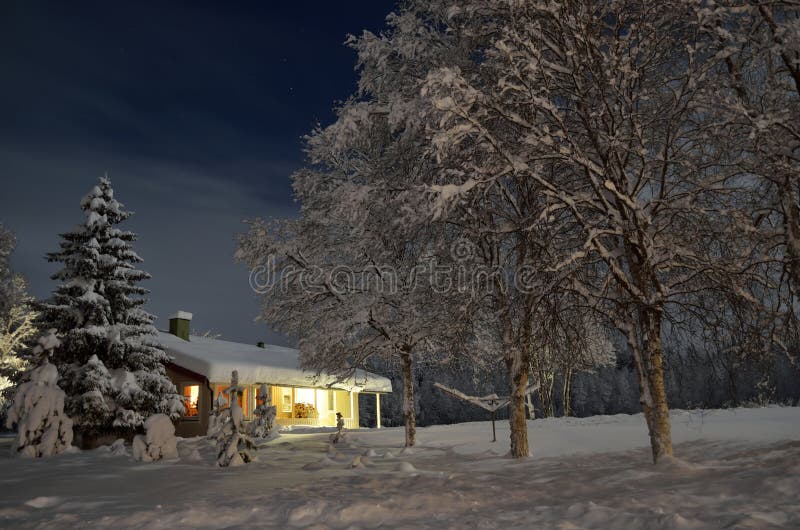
{"points": [[546, 383], [565, 395], [518, 369], [649, 362], [732, 388], [408, 399], [531, 409]]}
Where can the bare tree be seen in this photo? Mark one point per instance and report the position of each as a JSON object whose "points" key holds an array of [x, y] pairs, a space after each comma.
{"points": [[759, 95], [571, 340], [607, 104], [17, 317], [350, 282]]}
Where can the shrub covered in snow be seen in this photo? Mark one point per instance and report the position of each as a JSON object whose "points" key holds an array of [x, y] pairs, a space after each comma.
{"points": [[159, 442], [111, 368], [43, 429], [265, 414], [217, 415], [227, 429]]}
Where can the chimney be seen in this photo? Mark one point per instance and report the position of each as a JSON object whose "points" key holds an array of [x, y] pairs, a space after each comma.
{"points": [[260, 344], [179, 324]]}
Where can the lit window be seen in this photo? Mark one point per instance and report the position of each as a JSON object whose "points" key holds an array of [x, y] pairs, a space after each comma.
{"points": [[304, 395], [304, 403], [330, 400], [286, 394], [191, 394]]}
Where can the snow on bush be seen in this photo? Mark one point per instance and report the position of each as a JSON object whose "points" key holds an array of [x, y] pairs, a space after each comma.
{"points": [[265, 413], [43, 429], [217, 416], [227, 429], [159, 442]]}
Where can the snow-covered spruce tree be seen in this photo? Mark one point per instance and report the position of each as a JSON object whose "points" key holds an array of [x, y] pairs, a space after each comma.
{"points": [[265, 413], [43, 429], [228, 429], [17, 319], [109, 362]]}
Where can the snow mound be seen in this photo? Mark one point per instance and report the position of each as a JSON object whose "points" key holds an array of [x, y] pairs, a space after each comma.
{"points": [[159, 442], [406, 467], [43, 502], [676, 464], [115, 449], [308, 513], [322, 463]]}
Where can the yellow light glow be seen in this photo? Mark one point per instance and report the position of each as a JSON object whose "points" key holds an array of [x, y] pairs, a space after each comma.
{"points": [[304, 395], [191, 394]]}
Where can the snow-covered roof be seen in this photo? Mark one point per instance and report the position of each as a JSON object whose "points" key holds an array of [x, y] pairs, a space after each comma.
{"points": [[216, 359]]}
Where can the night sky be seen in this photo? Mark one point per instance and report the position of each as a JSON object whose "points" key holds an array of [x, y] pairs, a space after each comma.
{"points": [[195, 110]]}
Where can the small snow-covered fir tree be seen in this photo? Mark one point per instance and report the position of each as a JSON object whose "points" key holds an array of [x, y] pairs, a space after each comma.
{"points": [[109, 362], [38, 409], [227, 429], [217, 415], [265, 414]]}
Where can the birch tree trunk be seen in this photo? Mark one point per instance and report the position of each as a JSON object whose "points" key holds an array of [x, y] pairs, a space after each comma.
{"points": [[565, 396], [531, 409], [649, 362], [546, 382], [409, 417], [518, 369]]}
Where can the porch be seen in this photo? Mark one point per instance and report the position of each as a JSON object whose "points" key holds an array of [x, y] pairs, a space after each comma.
{"points": [[349, 423], [307, 406]]}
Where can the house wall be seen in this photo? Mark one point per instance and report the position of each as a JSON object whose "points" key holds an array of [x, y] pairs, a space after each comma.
{"points": [[196, 426], [326, 401]]}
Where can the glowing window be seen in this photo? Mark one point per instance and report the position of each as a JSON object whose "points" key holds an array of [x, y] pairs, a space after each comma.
{"points": [[304, 395], [191, 393], [287, 400]]}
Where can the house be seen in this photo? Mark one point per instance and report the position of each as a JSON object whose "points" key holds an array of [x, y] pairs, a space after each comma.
{"points": [[201, 369]]}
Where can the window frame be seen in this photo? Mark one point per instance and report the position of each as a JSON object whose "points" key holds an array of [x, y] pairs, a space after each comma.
{"points": [[184, 386]]}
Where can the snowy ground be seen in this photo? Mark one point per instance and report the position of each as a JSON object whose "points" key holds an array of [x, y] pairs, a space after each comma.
{"points": [[737, 469]]}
